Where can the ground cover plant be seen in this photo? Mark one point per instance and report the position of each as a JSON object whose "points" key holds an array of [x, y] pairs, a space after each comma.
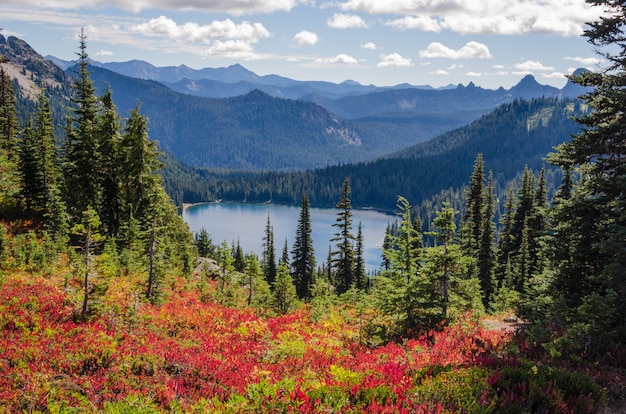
{"points": [[189, 355]]}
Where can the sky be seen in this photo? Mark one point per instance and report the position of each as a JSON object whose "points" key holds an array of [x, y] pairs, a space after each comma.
{"points": [[491, 43]]}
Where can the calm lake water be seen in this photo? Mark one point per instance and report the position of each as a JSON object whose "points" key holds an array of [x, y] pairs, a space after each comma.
{"points": [[246, 223]]}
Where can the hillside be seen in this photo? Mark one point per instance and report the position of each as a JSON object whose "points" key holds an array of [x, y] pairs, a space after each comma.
{"points": [[515, 135]]}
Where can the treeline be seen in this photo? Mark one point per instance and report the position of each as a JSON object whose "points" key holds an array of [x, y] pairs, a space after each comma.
{"points": [[98, 190], [515, 135]]}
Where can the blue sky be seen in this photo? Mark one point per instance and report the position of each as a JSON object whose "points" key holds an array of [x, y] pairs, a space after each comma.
{"points": [[382, 42]]}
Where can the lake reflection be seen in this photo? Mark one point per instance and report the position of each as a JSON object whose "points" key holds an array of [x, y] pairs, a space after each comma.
{"points": [[246, 223]]}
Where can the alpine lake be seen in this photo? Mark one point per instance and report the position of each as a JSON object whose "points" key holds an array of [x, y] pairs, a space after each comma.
{"points": [[245, 223]]}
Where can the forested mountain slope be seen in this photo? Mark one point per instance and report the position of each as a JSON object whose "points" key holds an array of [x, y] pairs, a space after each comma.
{"points": [[514, 135]]}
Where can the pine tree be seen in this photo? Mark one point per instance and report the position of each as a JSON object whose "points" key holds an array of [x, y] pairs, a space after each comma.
{"points": [[268, 262], [81, 167], [472, 221], [303, 253], [88, 231], [110, 165], [285, 296], [590, 227], [444, 222], [343, 256], [141, 161], [359, 262], [204, 244], [487, 254], [9, 158], [284, 258]]}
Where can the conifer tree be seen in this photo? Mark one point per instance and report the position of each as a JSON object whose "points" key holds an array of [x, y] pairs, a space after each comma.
{"points": [[444, 222], [359, 261], [590, 227], [285, 256], [269, 253], [140, 163], [204, 244], [89, 232], [81, 167], [487, 254], [285, 296], [343, 256], [9, 175], [303, 253], [110, 165], [472, 221]]}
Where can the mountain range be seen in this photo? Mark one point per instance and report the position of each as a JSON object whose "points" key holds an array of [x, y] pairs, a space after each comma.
{"points": [[259, 130]]}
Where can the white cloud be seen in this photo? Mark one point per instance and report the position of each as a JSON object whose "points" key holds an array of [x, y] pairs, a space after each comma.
{"points": [[423, 23], [440, 72], [306, 38], [553, 75], [104, 53], [235, 49], [237, 7], [394, 60], [340, 58], [565, 17], [471, 50], [195, 33], [369, 46], [474, 74], [589, 61], [346, 21], [532, 65]]}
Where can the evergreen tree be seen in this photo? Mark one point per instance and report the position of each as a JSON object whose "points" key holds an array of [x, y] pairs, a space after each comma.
{"points": [[285, 256], [88, 231], [204, 244], [505, 250], [9, 174], [590, 227], [268, 262], [386, 264], [361, 280], [487, 254], [343, 256], [472, 221], [303, 264], [81, 167], [239, 260], [111, 164], [444, 222], [141, 161], [403, 291], [285, 296]]}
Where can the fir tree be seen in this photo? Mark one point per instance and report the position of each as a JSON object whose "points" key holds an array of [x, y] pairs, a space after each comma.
{"points": [[359, 262], [285, 296], [472, 221], [590, 227], [303, 264], [487, 254], [81, 167], [269, 253], [343, 256]]}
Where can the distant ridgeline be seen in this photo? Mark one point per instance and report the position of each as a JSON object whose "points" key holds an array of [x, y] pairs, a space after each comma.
{"points": [[515, 135]]}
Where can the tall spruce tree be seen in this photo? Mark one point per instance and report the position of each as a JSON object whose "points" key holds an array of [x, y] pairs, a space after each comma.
{"points": [[361, 281], [303, 253], [588, 247], [487, 250], [111, 163], [343, 256], [268, 262], [9, 175], [81, 164], [472, 220]]}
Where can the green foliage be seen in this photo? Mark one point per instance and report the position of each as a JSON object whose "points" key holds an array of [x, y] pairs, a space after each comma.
{"points": [[343, 255], [284, 291], [460, 390], [303, 253]]}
